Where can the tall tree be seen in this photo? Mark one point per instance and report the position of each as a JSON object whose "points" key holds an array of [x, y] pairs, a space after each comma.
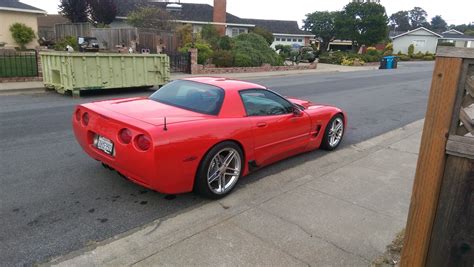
{"points": [[154, 19], [102, 11], [363, 23], [418, 17], [321, 24], [400, 21], [438, 24], [75, 10]]}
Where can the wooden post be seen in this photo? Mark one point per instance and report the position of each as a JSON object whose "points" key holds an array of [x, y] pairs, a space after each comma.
{"points": [[443, 189]]}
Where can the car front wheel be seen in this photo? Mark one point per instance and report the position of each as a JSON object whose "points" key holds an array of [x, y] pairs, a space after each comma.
{"points": [[334, 133], [219, 171]]}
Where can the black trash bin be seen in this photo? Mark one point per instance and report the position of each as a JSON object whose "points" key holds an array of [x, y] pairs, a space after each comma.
{"points": [[383, 64]]}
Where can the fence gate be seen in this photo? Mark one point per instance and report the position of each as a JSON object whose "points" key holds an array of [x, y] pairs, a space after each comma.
{"points": [[180, 62], [18, 64], [440, 227]]}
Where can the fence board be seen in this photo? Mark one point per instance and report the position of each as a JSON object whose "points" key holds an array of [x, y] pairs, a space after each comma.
{"points": [[72, 29], [110, 38], [431, 161]]}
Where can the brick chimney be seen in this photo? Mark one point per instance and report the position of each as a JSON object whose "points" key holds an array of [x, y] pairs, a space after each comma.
{"points": [[220, 15]]}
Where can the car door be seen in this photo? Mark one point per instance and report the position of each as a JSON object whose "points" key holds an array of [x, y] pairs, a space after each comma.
{"points": [[278, 131]]}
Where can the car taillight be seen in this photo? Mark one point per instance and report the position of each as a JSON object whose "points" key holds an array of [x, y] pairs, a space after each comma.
{"points": [[143, 142], [78, 115], [125, 136], [85, 119]]}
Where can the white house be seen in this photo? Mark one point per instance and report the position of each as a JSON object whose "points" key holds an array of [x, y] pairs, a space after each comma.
{"points": [[423, 39]]}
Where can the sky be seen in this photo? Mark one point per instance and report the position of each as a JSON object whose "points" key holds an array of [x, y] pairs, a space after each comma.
{"points": [[453, 11]]}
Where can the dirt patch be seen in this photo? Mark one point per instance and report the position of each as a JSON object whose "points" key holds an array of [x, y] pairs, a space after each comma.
{"points": [[392, 255]]}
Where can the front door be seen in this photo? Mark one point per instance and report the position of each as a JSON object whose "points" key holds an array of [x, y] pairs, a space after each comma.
{"points": [[278, 132]]}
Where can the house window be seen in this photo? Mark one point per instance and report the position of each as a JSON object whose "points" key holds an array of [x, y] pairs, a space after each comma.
{"points": [[278, 39], [300, 40], [295, 40], [419, 43], [237, 31]]}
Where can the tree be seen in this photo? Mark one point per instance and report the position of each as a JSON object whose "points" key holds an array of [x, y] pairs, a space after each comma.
{"points": [[400, 21], [418, 17], [438, 24], [102, 11], [265, 34], [363, 23], [321, 24], [210, 34], [154, 19], [75, 10], [22, 34]]}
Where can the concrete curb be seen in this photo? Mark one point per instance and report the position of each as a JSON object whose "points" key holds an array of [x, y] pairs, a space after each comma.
{"points": [[141, 246]]}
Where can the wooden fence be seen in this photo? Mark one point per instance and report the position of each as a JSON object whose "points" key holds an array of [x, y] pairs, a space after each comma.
{"points": [[72, 29], [110, 38], [440, 227]]}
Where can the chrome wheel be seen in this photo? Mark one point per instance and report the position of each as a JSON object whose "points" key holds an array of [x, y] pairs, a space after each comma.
{"points": [[224, 171], [336, 132]]}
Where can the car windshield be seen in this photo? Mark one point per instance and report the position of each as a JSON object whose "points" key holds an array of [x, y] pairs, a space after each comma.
{"points": [[194, 96]]}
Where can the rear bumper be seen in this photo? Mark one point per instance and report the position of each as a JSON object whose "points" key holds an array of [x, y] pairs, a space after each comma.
{"points": [[141, 167]]}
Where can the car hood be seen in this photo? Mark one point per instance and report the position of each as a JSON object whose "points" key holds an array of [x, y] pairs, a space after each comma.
{"points": [[150, 111]]}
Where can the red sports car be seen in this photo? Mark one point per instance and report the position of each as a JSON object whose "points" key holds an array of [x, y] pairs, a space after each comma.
{"points": [[203, 134]]}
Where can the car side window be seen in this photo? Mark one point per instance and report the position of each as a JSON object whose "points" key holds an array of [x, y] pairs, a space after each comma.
{"points": [[261, 102]]}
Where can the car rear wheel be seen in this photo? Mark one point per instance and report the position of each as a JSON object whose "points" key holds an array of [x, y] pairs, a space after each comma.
{"points": [[334, 133], [219, 171]]}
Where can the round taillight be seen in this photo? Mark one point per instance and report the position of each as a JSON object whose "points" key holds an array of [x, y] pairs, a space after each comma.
{"points": [[85, 119], [125, 136], [143, 142], [78, 115]]}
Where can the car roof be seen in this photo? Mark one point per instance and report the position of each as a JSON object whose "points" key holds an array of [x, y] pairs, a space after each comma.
{"points": [[226, 84]]}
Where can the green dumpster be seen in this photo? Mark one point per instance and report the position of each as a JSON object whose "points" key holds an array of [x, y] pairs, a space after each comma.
{"points": [[75, 72]]}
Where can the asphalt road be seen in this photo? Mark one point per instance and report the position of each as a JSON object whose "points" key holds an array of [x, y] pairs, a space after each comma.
{"points": [[54, 199]]}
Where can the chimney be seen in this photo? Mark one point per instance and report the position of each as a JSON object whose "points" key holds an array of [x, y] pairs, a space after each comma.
{"points": [[220, 15]]}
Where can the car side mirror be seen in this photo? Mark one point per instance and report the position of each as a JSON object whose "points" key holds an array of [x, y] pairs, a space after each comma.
{"points": [[297, 112]]}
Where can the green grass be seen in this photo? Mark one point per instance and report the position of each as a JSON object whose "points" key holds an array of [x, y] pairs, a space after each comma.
{"points": [[19, 66]]}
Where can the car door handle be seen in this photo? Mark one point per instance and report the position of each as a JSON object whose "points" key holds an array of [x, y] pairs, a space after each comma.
{"points": [[261, 124]]}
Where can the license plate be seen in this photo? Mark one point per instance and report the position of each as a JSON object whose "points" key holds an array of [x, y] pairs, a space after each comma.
{"points": [[105, 145]]}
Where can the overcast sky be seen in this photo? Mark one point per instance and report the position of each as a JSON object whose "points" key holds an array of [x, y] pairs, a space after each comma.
{"points": [[453, 11]]}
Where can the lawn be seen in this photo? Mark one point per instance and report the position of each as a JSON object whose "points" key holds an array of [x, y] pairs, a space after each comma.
{"points": [[18, 66]]}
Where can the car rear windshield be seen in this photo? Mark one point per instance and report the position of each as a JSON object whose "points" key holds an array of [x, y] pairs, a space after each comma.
{"points": [[194, 96]]}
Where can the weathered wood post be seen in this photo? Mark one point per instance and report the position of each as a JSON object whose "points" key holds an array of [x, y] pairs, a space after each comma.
{"points": [[440, 227]]}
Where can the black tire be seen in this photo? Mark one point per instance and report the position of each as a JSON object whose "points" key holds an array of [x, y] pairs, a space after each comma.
{"points": [[326, 145], [201, 185]]}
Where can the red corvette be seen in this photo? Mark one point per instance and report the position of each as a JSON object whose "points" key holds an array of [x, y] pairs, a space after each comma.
{"points": [[203, 134]]}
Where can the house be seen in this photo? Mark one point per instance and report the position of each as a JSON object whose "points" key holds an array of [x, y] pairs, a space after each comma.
{"points": [[423, 39], [457, 38], [13, 11], [198, 15]]}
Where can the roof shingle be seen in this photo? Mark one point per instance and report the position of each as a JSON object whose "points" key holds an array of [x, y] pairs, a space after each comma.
{"points": [[15, 4]]}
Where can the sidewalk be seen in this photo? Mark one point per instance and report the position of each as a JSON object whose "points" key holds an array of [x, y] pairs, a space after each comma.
{"points": [[320, 209], [24, 87]]}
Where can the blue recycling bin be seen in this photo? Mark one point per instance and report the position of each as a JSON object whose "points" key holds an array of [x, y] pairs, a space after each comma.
{"points": [[390, 61]]}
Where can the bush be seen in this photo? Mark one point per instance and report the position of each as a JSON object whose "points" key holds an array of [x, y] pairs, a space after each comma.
{"points": [[204, 51], [210, 34], [285, 50], [352, 62], [265, 34], [22, 34], [223, 58], [418, 55], [251, 50], [411, 50], [62, 44], [431, 57], [372, 51], [225, 43], [404, 57]]}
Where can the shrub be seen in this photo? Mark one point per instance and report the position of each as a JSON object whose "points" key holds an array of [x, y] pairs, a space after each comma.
{"points": [[22, 34], [204, 51], [223, 58], [265, 34], [404, 57], [185, 34], [411, 50], [251, 50], [418, 55], [352, 62], [430, 57], [372, 51], [285, 50], [69, 40], [225, 43], [210, 34]]}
